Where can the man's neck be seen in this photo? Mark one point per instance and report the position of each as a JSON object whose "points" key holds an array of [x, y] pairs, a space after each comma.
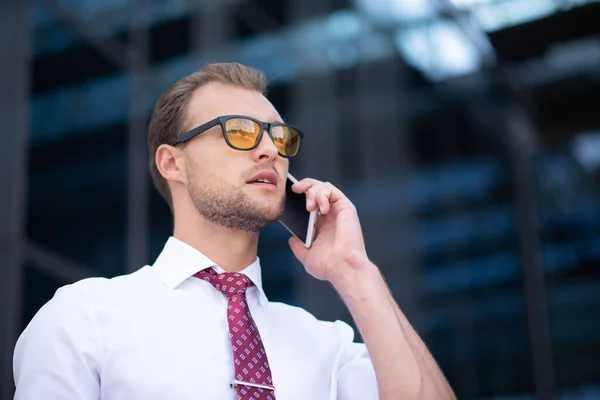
{"points": [[230, 249]]}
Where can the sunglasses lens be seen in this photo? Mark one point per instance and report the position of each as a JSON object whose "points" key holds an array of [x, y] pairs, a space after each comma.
{"points": [[286, 139], [242, 133]]}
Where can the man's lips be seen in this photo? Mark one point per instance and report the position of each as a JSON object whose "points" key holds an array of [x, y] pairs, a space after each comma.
{"points": [[264, 178]]}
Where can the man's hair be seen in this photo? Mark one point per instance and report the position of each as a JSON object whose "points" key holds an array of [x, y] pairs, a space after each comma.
{"points": [[169, 117]]}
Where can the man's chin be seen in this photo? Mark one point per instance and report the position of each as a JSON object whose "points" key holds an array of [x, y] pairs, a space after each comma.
{"points": [[269, 204], [272, 214], [269, 209]]}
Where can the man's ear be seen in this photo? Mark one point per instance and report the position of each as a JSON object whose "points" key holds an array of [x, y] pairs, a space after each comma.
{"points": [[170, 162]]}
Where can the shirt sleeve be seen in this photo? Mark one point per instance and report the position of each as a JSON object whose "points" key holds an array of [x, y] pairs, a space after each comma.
{"points": [[355, 373], [56, 355]]}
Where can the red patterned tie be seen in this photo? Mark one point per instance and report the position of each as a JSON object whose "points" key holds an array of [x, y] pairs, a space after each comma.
{"points": [[249, 356]]}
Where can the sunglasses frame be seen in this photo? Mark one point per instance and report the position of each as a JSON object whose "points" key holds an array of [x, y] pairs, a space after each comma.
{"points": [[265, 126]]}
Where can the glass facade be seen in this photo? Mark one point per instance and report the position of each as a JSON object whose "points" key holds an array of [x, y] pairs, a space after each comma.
{"points": [[458, 188]]}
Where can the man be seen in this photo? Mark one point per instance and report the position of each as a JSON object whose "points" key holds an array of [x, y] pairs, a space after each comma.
{"points": [[197, 324]]}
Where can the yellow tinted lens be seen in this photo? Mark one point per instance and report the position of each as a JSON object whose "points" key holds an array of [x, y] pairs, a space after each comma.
{"points": [[242, 133], [286, 139]]}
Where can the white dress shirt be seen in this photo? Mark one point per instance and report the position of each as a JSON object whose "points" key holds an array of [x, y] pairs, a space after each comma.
{"points": [[160, 333]]}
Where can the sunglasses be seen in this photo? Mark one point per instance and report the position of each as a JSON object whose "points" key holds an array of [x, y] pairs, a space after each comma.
{"points": [[245, 133]]}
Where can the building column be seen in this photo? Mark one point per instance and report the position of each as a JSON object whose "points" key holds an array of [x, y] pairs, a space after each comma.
{"points": [[314, 106], [523, 149], [385, 161], [137, 225], [14, 102]]}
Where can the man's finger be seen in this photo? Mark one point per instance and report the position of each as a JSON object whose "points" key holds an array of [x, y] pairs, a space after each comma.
{"points": [[323, 200], [313, 197], [324, 194], [311, 204], [305, 184]]}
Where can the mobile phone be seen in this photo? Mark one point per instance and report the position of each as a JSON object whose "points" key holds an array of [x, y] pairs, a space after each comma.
{"points": [[296, 218]]}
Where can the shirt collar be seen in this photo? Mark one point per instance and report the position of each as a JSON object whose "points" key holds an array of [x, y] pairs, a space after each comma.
{"points": [[179, 261]]}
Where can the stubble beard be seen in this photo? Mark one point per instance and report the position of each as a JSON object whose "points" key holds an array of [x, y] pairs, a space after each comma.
{"points": [[222, 204]]}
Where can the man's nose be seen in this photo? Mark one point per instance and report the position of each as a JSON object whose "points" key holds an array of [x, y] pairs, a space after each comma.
{"points": [[267, 147]]}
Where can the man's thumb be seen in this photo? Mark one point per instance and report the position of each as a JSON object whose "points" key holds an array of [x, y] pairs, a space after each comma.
{"points": [[298, 248]]}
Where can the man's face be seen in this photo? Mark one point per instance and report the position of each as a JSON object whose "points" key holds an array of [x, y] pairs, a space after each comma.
{"points": [[220, 179]]}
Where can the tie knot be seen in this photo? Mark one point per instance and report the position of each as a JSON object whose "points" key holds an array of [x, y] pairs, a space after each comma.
{"points": [[229, 283]]}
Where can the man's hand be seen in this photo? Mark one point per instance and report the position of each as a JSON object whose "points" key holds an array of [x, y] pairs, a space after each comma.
{"points": [[403, 365], [339, 248]]}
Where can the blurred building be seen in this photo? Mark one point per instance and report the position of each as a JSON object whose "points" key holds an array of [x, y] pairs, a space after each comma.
{"points": [[467, 132]]}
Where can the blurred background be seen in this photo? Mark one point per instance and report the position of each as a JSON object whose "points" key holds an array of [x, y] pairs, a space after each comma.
{"points": [[467, 133]]}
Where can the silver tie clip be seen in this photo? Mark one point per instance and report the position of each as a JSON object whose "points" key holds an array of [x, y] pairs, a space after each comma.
{"points": [[252, 384]]}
